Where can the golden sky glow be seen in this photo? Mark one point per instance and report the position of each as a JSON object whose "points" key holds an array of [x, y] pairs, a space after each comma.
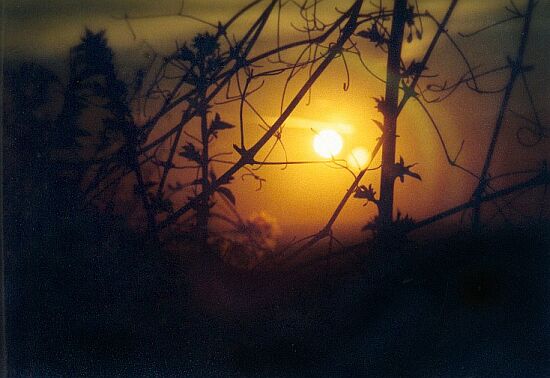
{"points": [[358, 158]]}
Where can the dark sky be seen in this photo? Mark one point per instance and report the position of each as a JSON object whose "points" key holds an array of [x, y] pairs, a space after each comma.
{"points": [[44, 28]]}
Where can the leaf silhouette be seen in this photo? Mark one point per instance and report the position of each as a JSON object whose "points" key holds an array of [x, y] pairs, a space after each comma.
{"points": [[381, 105], [365, 193], [186, 54], [373, 35], [401, 170], [415, 68], [218, 124], [227, 194], [191, 153]]}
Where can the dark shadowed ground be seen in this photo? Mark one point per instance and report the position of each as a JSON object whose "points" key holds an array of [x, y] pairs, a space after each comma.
{"points": [[86, 298]]}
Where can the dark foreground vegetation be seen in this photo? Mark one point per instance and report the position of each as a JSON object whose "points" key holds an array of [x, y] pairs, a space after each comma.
{"points": [[86, 298], [107, 275]]}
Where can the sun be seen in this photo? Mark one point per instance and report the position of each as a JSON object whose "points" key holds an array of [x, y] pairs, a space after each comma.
{"points": [[327, 143]]}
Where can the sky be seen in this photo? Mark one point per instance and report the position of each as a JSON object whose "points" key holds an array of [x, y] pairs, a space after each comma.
{"points": [[302, 198]]}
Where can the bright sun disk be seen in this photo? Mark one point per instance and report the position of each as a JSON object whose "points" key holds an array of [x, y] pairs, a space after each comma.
{"points": [[327, 143]]}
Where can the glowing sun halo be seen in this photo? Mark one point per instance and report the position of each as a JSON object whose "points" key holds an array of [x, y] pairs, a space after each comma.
{"points": [[327, 143], [358, 158]]}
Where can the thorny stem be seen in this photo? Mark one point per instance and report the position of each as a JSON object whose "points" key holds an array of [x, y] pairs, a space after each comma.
{"points": [[325, 231], [248, 155], [225, 78], [541, 179], [428, 54], [328, 227], [168, 164], [515, 72], [387, 179], [142, 189], [202, 205], [168, 106]]}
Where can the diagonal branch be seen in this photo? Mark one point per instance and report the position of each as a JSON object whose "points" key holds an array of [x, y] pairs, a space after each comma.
{"points": [[247, 156], [324, 232], [515, 72], [541, 179]]}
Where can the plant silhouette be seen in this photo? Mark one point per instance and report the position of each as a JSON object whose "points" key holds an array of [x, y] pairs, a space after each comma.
{"points": [[136, 216]]}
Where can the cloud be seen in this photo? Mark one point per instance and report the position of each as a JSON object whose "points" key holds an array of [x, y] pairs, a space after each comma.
{"points": [[47, 29]]}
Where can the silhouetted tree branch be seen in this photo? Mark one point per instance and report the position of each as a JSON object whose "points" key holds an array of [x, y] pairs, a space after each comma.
{"points": [[516, 71]]}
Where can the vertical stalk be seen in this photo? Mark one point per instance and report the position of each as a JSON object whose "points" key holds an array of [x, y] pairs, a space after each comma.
{"points": [[169, 161], [325, 230], [248, 156], [202, 206], [516, 68], [142, 189], [391, 99]]}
